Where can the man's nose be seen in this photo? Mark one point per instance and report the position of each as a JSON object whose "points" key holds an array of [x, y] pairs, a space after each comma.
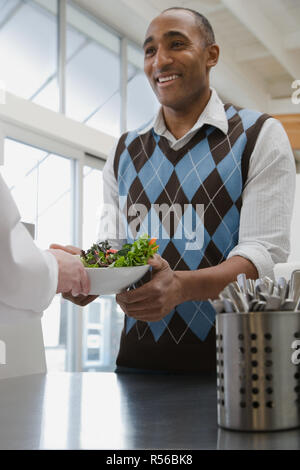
{"points": [[162, 58]]}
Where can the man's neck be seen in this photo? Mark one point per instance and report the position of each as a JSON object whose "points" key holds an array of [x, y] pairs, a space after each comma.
{"points": [[179, 122]]}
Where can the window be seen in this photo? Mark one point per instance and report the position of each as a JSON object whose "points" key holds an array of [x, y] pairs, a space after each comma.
{"points": [[47, 186], [103, 323], [102, 319], [141, 101], [92, 201], [46, 180], [28, 50], [92, 73], [29, 57]]}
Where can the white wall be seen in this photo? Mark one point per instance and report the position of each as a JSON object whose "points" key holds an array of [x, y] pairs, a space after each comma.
{"points": [[295, 228], [58, 129]]}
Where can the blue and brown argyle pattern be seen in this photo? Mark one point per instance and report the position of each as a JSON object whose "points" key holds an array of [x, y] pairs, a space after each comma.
{"points": [[211, 169]]}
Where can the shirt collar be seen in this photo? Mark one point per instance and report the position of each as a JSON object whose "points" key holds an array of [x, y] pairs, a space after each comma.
{"points": [[213, 113]]}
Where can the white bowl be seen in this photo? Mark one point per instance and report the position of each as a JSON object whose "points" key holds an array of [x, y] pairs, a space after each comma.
{"points": [[105, 281]]}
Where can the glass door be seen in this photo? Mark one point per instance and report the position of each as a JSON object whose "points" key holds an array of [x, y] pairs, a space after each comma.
{"points": [[102, 319], [41, 184]]}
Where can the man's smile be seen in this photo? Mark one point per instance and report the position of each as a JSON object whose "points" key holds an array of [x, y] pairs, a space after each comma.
{"points": [[165, 80]]}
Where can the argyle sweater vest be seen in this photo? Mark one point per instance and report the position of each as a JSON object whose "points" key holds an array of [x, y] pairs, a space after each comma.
{"points": [[210, 170]]}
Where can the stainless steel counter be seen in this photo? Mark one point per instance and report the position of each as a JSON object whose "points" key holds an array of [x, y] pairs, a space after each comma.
{"points": [[120, 411]]}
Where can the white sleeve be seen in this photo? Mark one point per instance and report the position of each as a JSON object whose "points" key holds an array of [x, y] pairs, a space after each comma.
{"points": [[267, 201], [28, 275], [110, 225]]}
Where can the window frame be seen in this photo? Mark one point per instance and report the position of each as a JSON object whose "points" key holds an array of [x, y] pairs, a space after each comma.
{"points": [[79, 158], [53, 132]]}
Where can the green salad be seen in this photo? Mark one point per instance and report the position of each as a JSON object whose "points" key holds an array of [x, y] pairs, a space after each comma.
{"points": [[101, 255]]}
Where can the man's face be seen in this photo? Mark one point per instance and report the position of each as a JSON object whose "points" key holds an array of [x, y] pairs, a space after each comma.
{"points": [[175, 59]]}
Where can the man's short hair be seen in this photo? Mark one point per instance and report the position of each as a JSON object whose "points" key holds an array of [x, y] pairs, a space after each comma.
{"points": [[202, 22]]}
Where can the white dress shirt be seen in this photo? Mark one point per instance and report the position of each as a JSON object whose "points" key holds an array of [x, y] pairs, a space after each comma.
{"points": [[268, 194], [28, 275]]}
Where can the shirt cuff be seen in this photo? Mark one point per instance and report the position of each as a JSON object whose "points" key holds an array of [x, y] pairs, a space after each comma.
{"points": [[258, 255], [53, 276]]}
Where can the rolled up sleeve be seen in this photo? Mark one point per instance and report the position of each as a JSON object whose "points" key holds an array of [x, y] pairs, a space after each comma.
{"points": [[267, 201], [110, 226]]}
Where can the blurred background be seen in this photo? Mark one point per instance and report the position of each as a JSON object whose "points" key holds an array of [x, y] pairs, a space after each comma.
{"points": [[71, 81]]}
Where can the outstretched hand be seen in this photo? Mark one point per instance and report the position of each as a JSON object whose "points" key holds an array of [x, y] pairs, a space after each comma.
{"points": [[71, 295], [73, 250]]}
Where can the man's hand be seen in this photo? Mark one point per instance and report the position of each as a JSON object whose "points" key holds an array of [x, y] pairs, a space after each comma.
{"points": [[155, 299], [80, 300], [70, 293]]}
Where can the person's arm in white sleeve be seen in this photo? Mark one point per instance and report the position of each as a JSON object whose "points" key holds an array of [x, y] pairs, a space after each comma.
{"points": [[30, 277], [267, 201], [110, 225]]}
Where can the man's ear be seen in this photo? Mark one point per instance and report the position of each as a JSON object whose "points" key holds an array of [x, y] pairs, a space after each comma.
{"points": [[213, 52]]}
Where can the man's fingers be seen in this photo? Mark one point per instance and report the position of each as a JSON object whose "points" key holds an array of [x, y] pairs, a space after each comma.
{"points": [[142, 312], [146, 316], [70, 296], [88, 299], [80, 300], [139, 306], [135, 295], [158, 263], [123, 307], [148, 292]]}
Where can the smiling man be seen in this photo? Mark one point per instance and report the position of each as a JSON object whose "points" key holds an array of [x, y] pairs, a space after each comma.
{"points": [[179, 51], [235, 163]]}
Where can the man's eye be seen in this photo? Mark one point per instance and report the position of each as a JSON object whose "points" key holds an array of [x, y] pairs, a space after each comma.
{"points": [[149, 51], [177, 44]]}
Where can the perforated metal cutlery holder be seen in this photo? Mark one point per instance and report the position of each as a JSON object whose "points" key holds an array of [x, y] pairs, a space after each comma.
{"points": [[258, 384]]}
